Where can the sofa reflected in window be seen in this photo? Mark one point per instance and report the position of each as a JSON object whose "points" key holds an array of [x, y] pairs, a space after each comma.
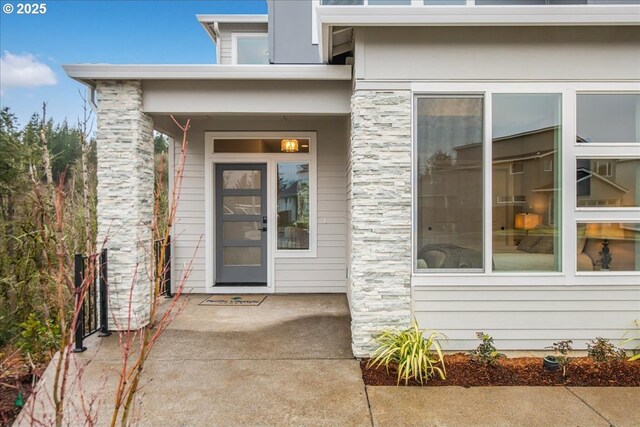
{"points": [[534, 250]]}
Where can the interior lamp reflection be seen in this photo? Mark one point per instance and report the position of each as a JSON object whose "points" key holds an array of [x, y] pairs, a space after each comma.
{"points": [[289, 145], [605, 232], [526, 221]]}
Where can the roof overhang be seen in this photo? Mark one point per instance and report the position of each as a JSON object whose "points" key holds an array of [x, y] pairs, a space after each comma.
{"points": [[210, 23], [90, 73], [547, 15], [233, 19]]}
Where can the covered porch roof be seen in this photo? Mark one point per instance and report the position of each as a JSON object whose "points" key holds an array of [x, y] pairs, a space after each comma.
{"points": [[230, 89], [90, 73]]}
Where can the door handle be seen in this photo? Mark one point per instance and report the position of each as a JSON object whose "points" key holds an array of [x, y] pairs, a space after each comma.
{"points": [[264, 223]]}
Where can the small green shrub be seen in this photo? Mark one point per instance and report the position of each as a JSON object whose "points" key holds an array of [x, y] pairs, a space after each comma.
{"points": [[637, 340], [602, 350], [486, 353], [38, 339], [562, 350], [416, 356]]}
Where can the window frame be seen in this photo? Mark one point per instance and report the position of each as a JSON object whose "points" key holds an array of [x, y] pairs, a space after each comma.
{"points": [[516, 171], [569, 152], [607, 164], [234, 45], [285, 252], [414, 180]]}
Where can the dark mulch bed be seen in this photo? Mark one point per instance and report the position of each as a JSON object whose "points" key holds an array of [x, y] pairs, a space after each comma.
{"points": [[519, 371]]}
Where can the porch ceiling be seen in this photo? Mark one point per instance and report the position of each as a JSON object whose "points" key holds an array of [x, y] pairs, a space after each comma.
{"points": [[243, 122]]}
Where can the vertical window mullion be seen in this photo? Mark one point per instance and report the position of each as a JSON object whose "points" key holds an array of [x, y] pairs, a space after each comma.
{"points": [[568, 196], [488, 185]]}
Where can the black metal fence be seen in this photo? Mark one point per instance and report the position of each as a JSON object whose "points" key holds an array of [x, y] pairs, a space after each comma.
{"points": [[93, 310], [165, 271]]}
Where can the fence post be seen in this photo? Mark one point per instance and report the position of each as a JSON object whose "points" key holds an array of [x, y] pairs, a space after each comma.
{"points": [[167, 269], [104, 296], [78, 279]]}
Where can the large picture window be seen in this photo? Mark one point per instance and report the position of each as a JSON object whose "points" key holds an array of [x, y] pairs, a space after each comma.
{"points": [[526, 136], [608, 181], [538, 181], [490, 194], [450, 135]]}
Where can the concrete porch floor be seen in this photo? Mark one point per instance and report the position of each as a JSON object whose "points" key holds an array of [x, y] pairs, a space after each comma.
{"points": [[289, 362]]}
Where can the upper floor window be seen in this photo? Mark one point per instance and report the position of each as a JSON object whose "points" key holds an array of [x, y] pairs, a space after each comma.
{"points": [[342, 2], [603, 167], [250, 48], [554, 2], [471, 2], [366, 2], [445, 2]]}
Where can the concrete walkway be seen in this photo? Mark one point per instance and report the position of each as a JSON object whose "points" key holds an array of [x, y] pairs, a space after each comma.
{"points": [[289, 362]]}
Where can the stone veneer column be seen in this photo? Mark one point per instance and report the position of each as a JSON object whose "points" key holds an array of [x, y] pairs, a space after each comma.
{"points": [[125, 199], [380, 233]]}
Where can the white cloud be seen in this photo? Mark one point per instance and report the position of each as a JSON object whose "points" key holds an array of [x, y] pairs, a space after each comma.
{"points": [[24, 71]]}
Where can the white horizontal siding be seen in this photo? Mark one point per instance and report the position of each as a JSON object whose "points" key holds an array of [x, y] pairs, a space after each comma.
{"points": [[527, 317], [323, 274], [328, 269]]}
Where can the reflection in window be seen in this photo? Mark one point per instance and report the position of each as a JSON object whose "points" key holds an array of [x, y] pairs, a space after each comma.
{"points": [[389, 2], [477, 2], [608, 118], [608, 182], [449, 199], [342, 2], [242, 257], [252, 49], [526, 138], [608, 247], [293, 205], [241, 180], [445, 2]]}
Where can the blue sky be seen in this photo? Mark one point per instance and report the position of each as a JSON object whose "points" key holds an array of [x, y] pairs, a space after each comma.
{"points": [[33, 47]]}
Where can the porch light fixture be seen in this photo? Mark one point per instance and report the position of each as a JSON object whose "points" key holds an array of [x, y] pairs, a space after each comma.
{"points": [[289, 145]]}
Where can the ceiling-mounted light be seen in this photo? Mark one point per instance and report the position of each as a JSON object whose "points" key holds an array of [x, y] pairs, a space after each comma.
{"points": [[289, 145]]}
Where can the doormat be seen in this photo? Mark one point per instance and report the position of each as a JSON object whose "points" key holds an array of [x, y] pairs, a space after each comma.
{"points": [[234, 300]]}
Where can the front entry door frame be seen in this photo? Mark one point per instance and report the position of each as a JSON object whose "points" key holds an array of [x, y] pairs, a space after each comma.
{"points": [[271, 160], [242, 275]]}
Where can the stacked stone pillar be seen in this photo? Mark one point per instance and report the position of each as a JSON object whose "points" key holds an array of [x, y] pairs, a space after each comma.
{"points": [[380, 227], [125, 199]]}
